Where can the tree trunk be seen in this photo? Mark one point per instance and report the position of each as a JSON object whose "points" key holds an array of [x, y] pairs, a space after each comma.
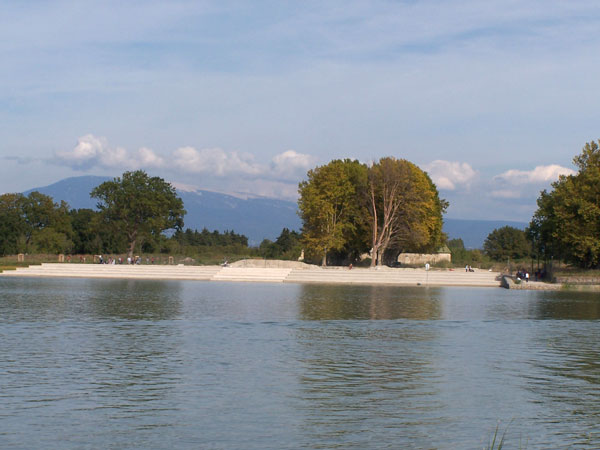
{"points": [[324, 260], [131, 248], [132, 240]]}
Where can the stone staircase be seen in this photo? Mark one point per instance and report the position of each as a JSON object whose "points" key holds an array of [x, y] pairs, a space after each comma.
{"points": [[383, 276], [396, 277], [116, 271]]}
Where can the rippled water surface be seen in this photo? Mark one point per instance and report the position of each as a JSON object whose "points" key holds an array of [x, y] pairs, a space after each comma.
{"points": [[144, 364]]}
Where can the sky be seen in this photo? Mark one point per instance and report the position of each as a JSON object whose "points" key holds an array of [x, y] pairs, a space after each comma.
{"points": [[493, 99]]}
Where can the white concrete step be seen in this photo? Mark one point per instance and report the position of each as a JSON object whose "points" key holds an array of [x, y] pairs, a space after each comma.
{"points": [[252, 274]]}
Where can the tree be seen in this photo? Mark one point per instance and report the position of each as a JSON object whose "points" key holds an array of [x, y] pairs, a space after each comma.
{"points": [[12, 223], [33, 223], [404, 207], [140, 206], [567, 221], [506, 242], [328, 205]]}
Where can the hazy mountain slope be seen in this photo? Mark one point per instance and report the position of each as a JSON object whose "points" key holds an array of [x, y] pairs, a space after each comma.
{"points": [[257, 217], [474, 232], [75, 191]]}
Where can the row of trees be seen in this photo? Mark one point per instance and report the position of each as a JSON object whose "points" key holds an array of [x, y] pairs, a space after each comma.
{"points": [[566, 224], [133, 212], [390, 206], [33, 223]]}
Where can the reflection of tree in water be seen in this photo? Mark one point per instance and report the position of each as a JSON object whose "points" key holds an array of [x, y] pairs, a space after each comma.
{"points": [[133, 299], [567, 305], [333, 302], [362, 378]]}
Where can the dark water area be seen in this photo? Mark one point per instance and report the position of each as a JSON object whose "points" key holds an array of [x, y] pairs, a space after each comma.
{"points": [[167, 364]]}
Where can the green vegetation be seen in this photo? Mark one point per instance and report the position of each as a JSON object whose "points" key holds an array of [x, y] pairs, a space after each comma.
{"points": [[139, 207], [566, 224], [348, 208], [507, 242], [287, 246], [135, 211], [33, 224], [331, 207]]}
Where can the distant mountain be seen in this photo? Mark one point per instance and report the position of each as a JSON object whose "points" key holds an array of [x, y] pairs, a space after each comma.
{"points": [[255, 217], [75, 191], [474, 232]]}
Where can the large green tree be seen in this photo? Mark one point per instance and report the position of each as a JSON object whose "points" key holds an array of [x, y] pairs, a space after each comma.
{"points": [[567, 221], [33, 223], [12, 223], [140, 206], [404, 207], [506, 242], [329, 205]]}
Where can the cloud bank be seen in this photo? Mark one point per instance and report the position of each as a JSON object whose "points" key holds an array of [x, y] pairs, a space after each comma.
{"points": [[510, 194], [277, 178]]}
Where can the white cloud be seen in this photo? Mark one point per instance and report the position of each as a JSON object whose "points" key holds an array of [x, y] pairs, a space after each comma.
{"points": [[148, 158], [292, 163], [449, 174], [92, 151], [539, 175]]}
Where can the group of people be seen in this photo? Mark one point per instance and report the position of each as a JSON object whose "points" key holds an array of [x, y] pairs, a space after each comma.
{"points": [[522, 274], [119, 260], [468, 268]]}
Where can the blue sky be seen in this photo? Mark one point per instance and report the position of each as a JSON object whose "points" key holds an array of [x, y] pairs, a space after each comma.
{"points": [[492, 98]]}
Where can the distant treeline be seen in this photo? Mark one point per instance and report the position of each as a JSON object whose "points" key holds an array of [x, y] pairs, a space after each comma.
{"points": [[36, 224]]}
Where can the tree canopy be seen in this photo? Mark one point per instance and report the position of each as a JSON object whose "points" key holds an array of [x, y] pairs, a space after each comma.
{"points": [[33, 223], [567, 221], [329, 205], [404, 207], [139, 206], [506, 242], [347, 208]]}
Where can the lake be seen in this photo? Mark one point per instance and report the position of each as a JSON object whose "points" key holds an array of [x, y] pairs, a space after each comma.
{"points": [[168, 364]]}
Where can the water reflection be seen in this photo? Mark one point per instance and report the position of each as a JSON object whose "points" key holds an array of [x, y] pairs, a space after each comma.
{"points": [[362, 379], [135, 364], [76, 299], [566, 305], [134, 299], [333, 302]]}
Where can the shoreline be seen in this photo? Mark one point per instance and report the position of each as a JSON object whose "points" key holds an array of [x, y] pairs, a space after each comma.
{"points": [[304, 275], [290, 272]]}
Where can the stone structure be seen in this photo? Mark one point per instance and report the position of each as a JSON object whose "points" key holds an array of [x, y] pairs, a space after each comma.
{"points": [[418, 259], [21, 257], [61, 258]]}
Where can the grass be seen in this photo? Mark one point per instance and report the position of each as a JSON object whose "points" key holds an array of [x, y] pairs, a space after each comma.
{"points": [[497, 442]]}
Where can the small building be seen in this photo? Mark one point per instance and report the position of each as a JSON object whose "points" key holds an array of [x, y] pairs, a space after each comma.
{"points": [[419, 259]]}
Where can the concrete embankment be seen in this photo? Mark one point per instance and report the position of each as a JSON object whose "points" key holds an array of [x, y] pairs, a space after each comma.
{"points": [[309, 274], [509, 283]]}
